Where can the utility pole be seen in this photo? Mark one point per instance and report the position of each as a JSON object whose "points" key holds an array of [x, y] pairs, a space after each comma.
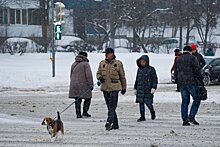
{"points": [[53, 48], [112, 25]]}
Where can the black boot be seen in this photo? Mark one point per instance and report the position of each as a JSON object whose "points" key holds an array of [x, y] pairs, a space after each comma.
{"points": [[86, 114], [153, 116], [186, 123], [192, 120], [142, 118]]}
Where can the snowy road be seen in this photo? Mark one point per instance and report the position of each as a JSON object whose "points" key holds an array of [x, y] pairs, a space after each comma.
{"points": [[22, 111]]}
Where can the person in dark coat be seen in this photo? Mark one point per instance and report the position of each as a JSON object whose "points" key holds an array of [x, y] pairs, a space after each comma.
{"points": [[145, 86], [81, 84], [189, 79], [210, 52], [173, 70], [198, 56]]}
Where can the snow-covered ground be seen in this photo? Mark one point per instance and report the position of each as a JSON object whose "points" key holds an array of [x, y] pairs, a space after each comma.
{"points": [[28, 92]]}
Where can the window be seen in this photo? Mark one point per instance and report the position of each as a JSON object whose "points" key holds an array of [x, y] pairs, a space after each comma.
{"points": [[24, 16], [18, 17], [12, 16], [216, 62]]}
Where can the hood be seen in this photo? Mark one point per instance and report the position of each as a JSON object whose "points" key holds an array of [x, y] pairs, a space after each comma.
{"points": [[81, 58], [144, 57]]}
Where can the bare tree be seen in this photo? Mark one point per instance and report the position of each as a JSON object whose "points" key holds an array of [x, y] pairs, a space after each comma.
{"points": [[206, 18]]}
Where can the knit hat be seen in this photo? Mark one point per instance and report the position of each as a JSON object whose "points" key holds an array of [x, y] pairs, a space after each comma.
{"points": [[194, 47], [83, 54], [176, 50], [187, 48]]}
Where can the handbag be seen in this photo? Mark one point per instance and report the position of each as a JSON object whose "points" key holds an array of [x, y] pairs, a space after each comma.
{"points": [[202, 93]]}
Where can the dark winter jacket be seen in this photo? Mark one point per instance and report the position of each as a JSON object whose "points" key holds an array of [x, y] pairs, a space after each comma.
{"points": [[146, 79], [81, 78], [188, 70], [200, 59]]}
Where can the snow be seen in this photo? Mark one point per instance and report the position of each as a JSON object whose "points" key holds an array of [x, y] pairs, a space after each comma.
{"points": [[17, 4], [28, 93], [66, 40], [35, 69]]}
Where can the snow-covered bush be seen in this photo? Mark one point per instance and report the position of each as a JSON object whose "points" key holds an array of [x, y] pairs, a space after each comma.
{"points": [[20, 45]]}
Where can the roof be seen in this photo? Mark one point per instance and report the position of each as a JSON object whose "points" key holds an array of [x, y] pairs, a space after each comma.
{"points": [[19, 4]]}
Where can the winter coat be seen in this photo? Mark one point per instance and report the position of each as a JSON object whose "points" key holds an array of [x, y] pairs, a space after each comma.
{"points": [[173, 67], [81, 79], [113, 74], [146, 79], [188, 70], [200, 59]]}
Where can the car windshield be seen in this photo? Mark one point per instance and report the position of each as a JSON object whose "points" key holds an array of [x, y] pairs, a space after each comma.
{"points": [[208, 60]]}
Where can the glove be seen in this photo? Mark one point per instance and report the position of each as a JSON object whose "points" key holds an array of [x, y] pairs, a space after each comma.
{"points": [[101, 79], [123, 91], [135, 92], [91, 87], [98, 83], [152, 91]]}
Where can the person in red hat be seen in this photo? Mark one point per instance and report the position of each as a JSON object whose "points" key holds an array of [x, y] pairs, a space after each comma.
{"points": [[198, 56]]}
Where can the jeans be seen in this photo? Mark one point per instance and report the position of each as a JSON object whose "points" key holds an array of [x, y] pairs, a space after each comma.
{"points": [[111, 100], [186, 91], [148, 102]]}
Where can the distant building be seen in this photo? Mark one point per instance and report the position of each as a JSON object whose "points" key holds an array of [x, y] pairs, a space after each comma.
{"points": [[20, 19]]}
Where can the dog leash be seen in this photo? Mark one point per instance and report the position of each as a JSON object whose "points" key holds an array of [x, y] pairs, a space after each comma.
{"points": [[80, 97]]}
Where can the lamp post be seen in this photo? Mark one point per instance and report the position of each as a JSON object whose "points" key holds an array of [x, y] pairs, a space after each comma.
{"points": [[53, 48], [112, 23]]}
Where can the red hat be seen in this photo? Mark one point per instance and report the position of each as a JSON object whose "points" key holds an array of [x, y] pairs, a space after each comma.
{"points": [[193, 46]]}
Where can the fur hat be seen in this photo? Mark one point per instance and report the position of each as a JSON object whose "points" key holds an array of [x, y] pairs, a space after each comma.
{"points": [[83, 54]]}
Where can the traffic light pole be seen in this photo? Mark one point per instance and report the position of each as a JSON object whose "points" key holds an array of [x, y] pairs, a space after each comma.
{"points": [[53, 46]]}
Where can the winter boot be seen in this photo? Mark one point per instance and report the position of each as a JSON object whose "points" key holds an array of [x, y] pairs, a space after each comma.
{"points": [[186, 123], [85, 114], [142, 118], [153, 116], [192, 120], [108, 126]]}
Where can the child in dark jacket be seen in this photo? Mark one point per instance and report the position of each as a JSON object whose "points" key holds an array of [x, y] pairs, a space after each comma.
{"points": [[145, 86]]}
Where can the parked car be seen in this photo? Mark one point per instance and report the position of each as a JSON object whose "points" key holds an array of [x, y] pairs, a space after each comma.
{"points": [[211, 71]]}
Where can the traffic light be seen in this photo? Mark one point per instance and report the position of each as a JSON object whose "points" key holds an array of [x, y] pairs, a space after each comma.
{"points": [[58, 32]]}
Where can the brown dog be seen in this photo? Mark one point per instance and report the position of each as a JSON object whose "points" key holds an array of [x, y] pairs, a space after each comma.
{"points": [[54, 126]]}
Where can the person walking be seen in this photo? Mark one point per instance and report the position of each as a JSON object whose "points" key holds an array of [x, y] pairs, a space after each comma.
{"points": [[111, 77], [189, 79], [145, 86], [173, 70], [81, 84], [198, 56]]}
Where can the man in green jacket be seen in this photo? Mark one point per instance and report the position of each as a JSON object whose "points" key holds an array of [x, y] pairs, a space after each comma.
{"points": [[111, 77]]}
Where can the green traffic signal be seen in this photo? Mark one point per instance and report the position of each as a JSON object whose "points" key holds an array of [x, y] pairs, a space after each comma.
{"points": [[58, 36], [58, 32], [58, 28]]}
